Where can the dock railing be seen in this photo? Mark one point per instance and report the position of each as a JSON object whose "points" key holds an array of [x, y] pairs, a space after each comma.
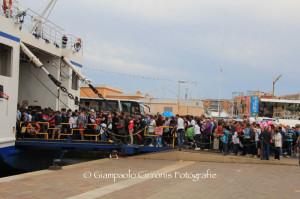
{"points": [[172, 132]]}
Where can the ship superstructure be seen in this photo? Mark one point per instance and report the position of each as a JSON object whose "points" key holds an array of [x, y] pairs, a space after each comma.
{"points": [[40, 65]]}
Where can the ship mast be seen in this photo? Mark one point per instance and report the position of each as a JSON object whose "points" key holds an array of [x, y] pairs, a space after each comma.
{"points": [[48, 9], [37, 27]]}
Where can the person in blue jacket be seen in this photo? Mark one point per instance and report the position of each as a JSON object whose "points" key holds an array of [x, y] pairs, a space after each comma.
{"points": [[289, 140], [225, 140]]}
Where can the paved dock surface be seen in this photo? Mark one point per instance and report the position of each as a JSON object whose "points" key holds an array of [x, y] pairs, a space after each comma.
{"points": [[163, 175]]}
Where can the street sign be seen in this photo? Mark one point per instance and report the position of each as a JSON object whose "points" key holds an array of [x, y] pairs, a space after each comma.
{"points": [[254, 105]]}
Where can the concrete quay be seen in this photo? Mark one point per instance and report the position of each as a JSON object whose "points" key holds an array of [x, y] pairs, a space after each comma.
{"points": [[172, 174]]}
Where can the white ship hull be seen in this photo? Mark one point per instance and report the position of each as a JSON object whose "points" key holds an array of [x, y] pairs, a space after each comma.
{"points": [[25, 84]]}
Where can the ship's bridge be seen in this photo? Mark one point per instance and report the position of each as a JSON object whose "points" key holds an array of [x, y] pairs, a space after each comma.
{"points": [[47, 60]]}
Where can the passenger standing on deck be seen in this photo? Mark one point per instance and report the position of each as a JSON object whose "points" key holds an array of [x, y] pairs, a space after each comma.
{"points": [[115, 122], [19, 115], [151, 129], [131, 129], [166, 132], [57, 121], [73, 124], [82, 121], [91, 126], [159, 130], [122, 128], [73, 121], [92, 117], [180, 132], [65, 121]]}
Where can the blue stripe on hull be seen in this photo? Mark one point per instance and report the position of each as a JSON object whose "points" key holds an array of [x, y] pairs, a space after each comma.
{"points": [[9, 36], [76, 64]]}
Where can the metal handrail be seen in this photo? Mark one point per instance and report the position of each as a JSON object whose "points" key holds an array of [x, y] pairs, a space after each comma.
{"points": [[49, 30], [96, 135]]}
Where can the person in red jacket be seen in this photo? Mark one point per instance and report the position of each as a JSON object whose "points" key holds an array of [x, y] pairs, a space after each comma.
{"points": [[219, 134]]}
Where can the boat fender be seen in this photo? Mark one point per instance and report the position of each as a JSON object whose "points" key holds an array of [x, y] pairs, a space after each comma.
{"points": [[64, 41], [77, 45]]}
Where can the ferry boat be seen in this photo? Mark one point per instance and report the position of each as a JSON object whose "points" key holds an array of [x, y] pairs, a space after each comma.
{"points": [[40, 65]]}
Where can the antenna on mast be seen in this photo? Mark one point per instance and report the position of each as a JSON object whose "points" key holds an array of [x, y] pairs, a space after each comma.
{"points": [[37, 27], [48, 9]]}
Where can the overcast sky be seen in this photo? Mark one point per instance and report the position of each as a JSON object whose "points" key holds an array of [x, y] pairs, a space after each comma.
{"points": [[220, 46]]}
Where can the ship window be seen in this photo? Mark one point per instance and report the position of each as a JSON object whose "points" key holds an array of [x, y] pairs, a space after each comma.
{"points": [[5, 60], [74, 81]]}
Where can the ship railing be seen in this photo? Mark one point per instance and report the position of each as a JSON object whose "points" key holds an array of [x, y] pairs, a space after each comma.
{"points": [[35, 129], [89, 131], [64, 131], [59, 132], [92, 132], [31, 22]]}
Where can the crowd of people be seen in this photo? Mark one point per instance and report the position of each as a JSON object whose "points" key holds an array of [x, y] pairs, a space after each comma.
{"points": [[197, 133]]}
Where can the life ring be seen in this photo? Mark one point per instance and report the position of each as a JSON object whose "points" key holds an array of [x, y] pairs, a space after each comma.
{"points": [[77, 45]]}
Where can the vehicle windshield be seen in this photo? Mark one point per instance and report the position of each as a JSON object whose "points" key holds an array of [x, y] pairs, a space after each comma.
{"points": [[142, 109], [99, 105], [131, 107]]}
